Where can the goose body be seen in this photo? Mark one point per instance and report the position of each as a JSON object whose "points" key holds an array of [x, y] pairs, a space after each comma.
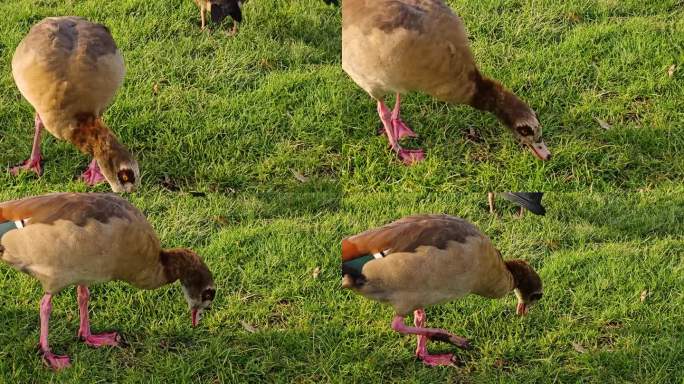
{"points": [[81, 239], [431, 259], [69, 70], [401, 46]]}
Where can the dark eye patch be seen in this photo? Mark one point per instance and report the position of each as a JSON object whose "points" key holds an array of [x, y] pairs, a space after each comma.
{"points": [[208, 294], [525, 130], [126, 176]]}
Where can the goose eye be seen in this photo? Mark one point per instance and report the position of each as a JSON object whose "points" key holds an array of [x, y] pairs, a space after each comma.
{"points": [[525, 130], [126, 176], [208, 294]]}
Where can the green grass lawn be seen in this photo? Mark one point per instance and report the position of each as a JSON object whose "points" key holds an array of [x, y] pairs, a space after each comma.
{"points": [[260, 153], [596, 254]]}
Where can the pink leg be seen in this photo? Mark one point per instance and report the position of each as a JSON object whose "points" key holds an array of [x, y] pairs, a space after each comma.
{"points": [[401, 130], [53, 361], [408, 156], [33, 163], [92, 175], [429, 333], [421, 348], [84, 328]]}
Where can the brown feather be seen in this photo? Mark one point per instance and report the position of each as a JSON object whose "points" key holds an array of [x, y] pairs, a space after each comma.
{"points": [[407, 234]]}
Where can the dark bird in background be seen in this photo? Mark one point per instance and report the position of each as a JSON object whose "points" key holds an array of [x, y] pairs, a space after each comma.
{"points": [[219, 10], [531, 201]]}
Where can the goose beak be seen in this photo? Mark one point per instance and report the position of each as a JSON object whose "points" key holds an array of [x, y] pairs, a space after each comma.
{"points": [[539, 149], [194, 314], [521, 309]]}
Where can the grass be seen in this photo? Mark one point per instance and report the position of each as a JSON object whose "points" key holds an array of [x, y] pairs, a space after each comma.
{"points": [[595, 252], [572, 61], [234, 120]]}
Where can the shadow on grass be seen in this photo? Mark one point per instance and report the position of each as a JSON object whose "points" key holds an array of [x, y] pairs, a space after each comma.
{"points": [[632, 216]]}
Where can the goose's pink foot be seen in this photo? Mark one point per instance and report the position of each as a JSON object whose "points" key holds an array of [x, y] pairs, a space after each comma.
{"points": [[424, 334], [389, 122], [402, 130], [92, 175], [101, 339], [399, 128], [419, 319], [33, 164], [98, 340], [53, 361], [56, 362], [446, 359], [411, 156]]}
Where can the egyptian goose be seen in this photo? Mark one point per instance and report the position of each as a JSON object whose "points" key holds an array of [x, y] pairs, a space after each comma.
{"points": [[65, 239], [531, 201], [399, 46], [425, 260], [219, 10], [69, 70]]}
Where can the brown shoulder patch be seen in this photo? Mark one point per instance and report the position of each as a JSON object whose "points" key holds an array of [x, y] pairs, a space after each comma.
{"points": [[94, 39], [101, 208], [74, 35], [78, 208], [409, 233], [399, 14]]}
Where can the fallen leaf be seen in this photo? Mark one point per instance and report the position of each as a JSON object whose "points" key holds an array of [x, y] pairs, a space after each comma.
{"points": [[264, 63], [578, 347], [299, 176], [169, 184], [644, 295], [221, 220], [553, 245], [603, 123], [473, 136], [316, 272], [606, 340], [249, 328], [671, 70], [155, 88], [249, 296]]}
